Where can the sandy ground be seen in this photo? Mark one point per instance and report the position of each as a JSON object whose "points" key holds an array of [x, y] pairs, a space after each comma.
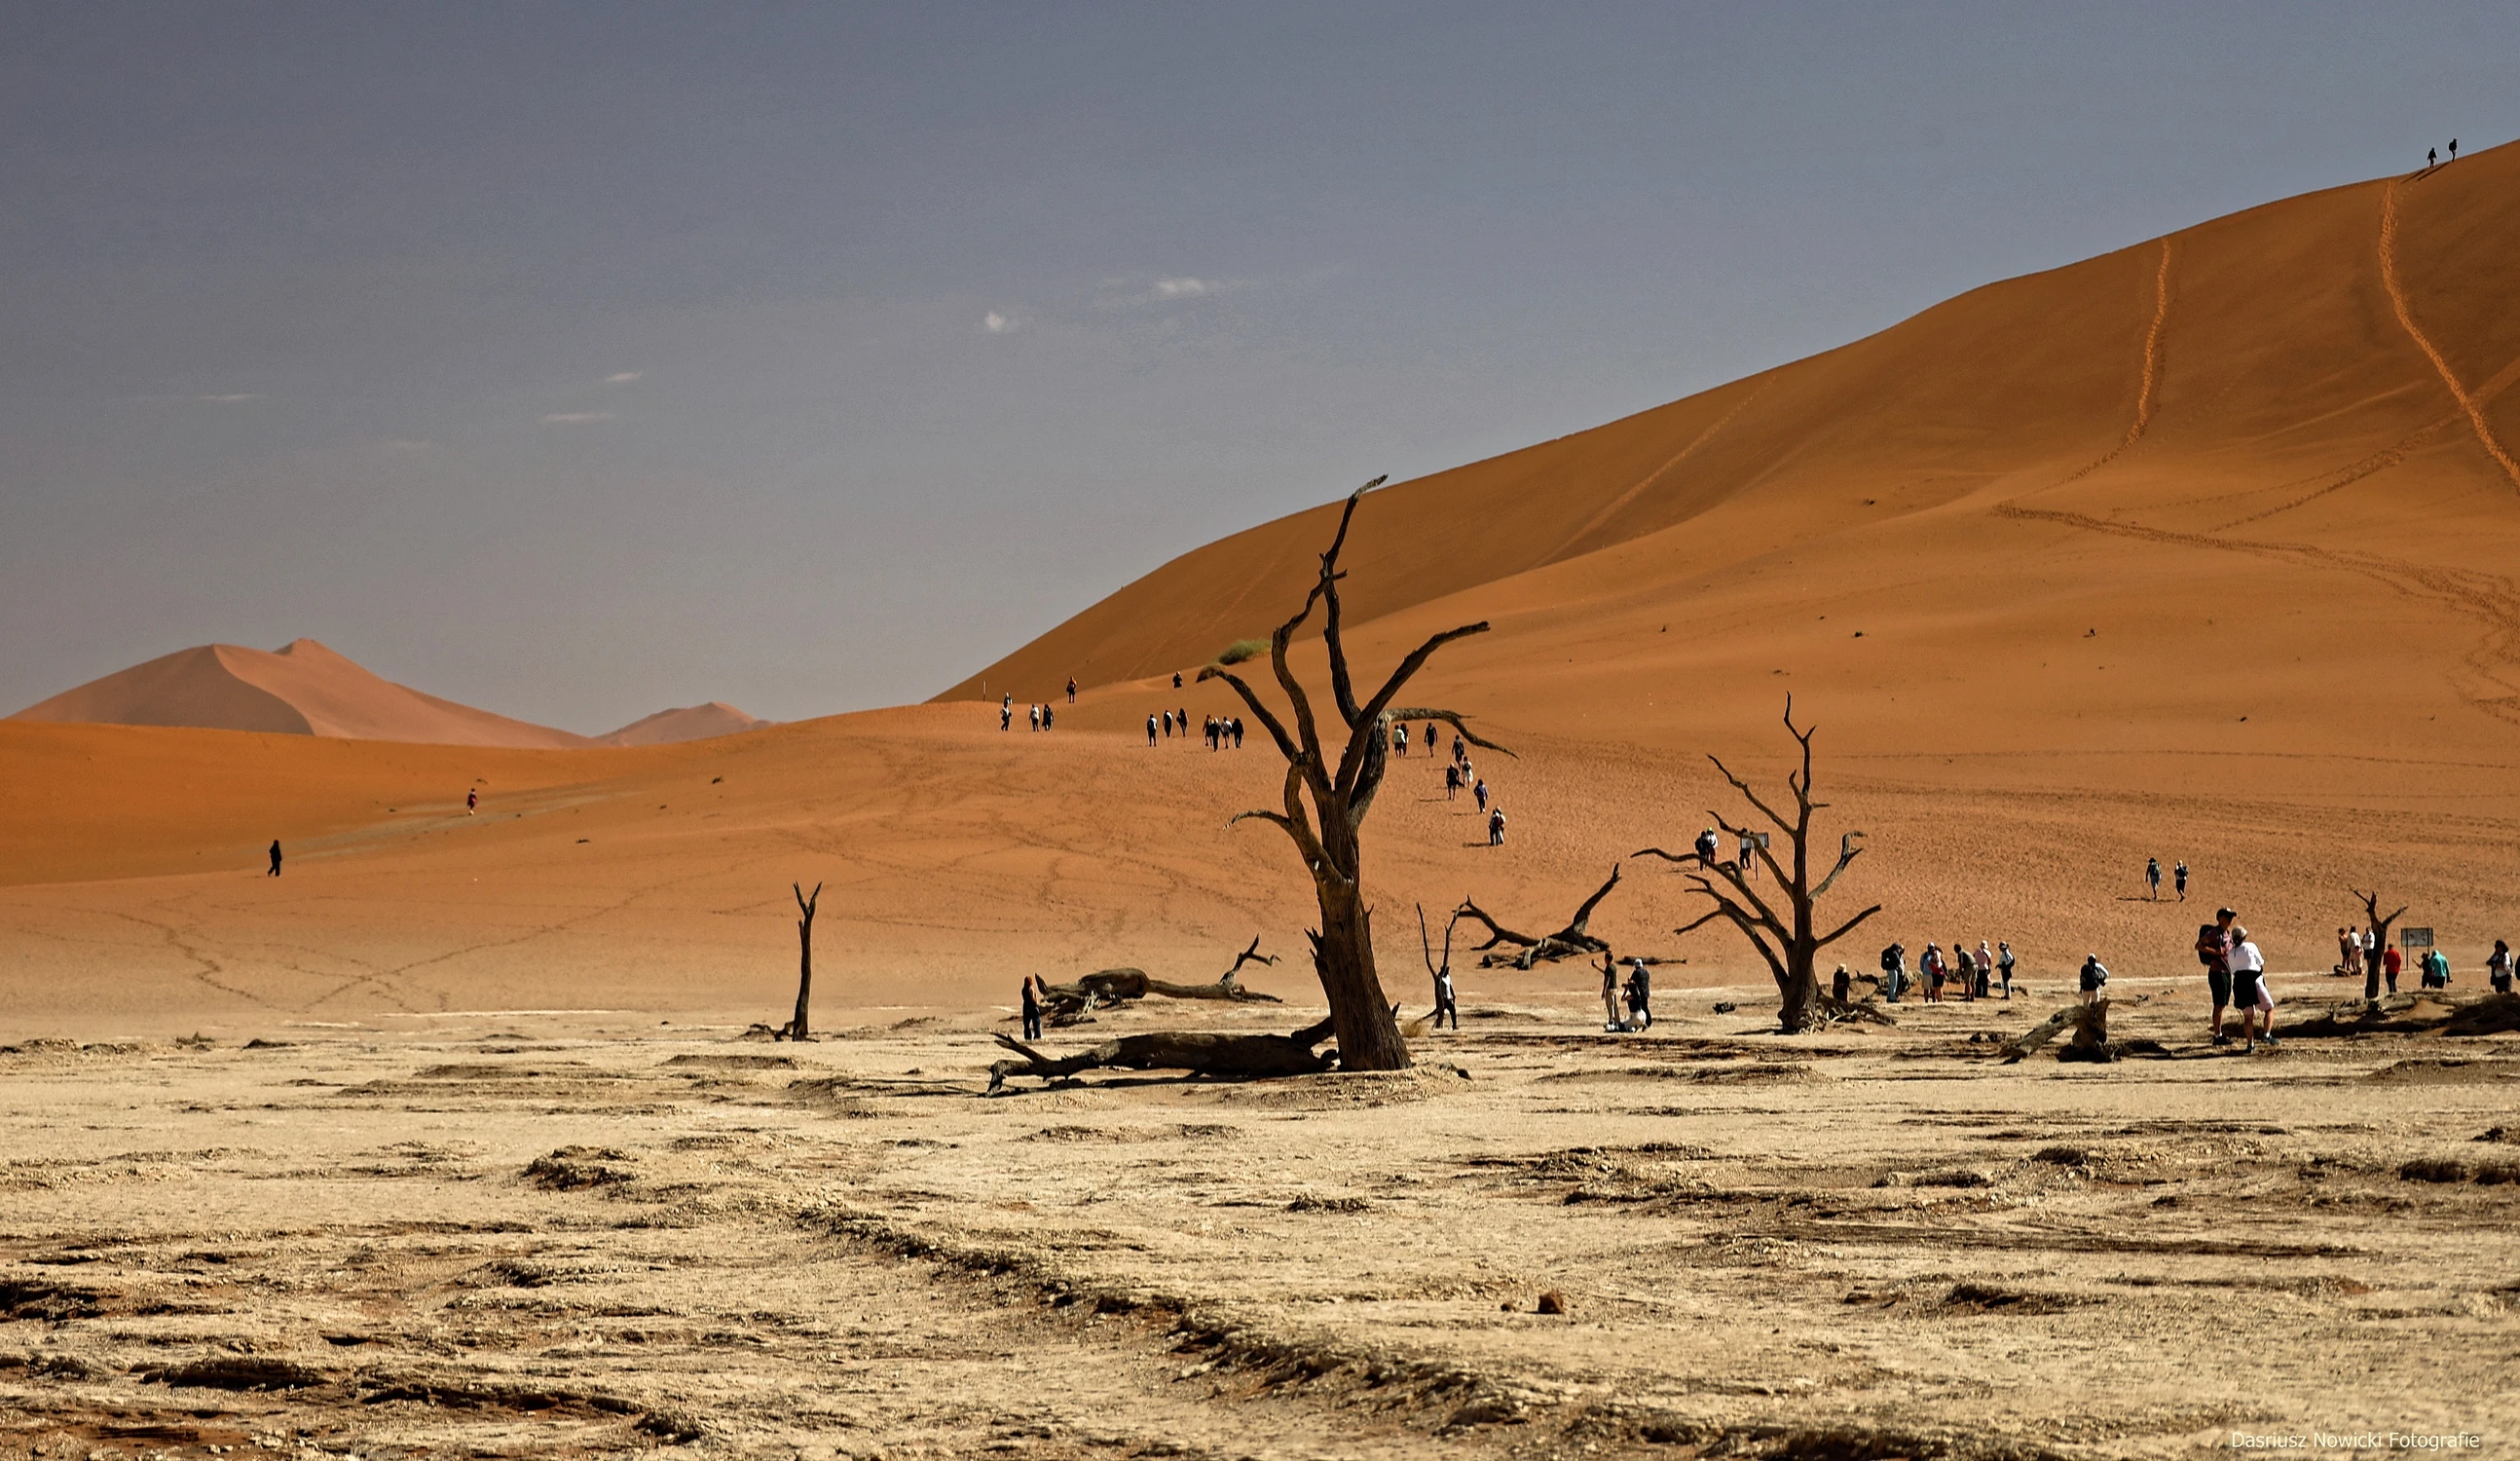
{"points": [[574, 1234]]}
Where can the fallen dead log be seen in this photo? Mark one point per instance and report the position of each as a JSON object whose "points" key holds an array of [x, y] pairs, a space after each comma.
{"points": [[1071, 1002], [1220, 1056], [2089, 1023], [1573, 941]]}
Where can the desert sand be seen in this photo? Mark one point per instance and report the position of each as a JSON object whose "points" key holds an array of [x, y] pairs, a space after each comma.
{"points": [[2192, 551]]}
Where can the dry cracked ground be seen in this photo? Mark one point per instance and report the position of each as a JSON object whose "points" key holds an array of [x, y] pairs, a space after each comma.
{"points": [[586, 1235]]}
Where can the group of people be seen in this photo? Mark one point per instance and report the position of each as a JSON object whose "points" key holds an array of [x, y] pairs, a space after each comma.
{"points": [[2432, 155], [2363, 948], [1745, 860], [2152, 877], [1459, 776], [1038, 715], [1221, 732], [1979, 975], [2235, 975]]}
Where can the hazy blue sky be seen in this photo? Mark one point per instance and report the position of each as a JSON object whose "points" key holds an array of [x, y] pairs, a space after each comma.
{"points": [[577, 360]]}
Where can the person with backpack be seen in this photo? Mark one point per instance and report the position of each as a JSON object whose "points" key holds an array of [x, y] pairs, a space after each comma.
{"points": [[2349, 953], [2095, 978], [1640, 995], [1495, 826], [2178, 877], [2498, 967], [1444, 1002], [1071, 690], [1706, 846], [2436, 969], [1452, 783], [1479, 794], [1894, 971], [1967, 963], [1930, 963], [2152, 877], [2214, 951]]}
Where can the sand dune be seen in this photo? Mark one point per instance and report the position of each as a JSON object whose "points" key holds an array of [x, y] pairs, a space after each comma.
{"points": [[688, 723], [301, 688]]}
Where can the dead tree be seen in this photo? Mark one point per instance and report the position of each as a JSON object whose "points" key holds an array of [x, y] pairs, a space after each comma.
{"points": [[1572, 942], [1069, 1003], [1223, 1057], [1326, 833], [1787, 939], [795, 1029], [1426, 952], [2379, 928]]}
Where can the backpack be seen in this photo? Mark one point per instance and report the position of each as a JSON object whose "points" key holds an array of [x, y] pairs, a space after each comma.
{"points": [[2210, 951]]}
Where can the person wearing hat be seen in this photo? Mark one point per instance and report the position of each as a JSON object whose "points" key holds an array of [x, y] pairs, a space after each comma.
{"points": [[2214, 951], [1640, 994]]}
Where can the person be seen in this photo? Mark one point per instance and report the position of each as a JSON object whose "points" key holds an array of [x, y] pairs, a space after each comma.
{"points": [[2004, 962], [1400, 740], [1894, 971], [1032, 717], [2348, 953], [1610, 993], [1431, 740], [1706, 846], [1452, 783], [1444, 1004], [2178, 877], [471, 801], [2214, 951], [1238, 733], [2453, 149], [2370, 964], [2498, 967], [2432, 157], [1031, 1012], [2245, 967], [1967, 963], [2391, 961], [1007, 715], [1930, 963], [2436, 969], [1479, 794], [1460, 751], [1046, 714], [1841, 985], [1985, 967], [1151, 730], [275, 859], [1177, 679], [1640, 994], [2152, 877], [1181, 719], [1071, 690], [1749, 847], [1495, 826], [2095, 978]]}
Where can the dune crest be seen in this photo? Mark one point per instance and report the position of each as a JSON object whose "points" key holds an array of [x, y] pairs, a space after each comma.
{"points": [[687, 723]]}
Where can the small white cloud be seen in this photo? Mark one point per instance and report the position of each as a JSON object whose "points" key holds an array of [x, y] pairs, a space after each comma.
{"points": [[579, 417], [999, 324], [625, 378], [227, 400], [1183, 289]]}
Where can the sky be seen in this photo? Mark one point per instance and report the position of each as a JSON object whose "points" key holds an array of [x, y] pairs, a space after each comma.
{"points": [[577, 360]]}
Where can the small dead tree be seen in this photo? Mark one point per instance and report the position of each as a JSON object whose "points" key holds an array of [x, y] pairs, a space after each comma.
{"points": [[1326, 833], [795, 1029], [1426, 948], [2379, 927], [1786, 937], [1573, 941]]}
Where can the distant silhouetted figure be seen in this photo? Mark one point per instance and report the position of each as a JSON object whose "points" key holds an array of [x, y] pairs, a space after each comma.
{"points": [[1639, 992], [275, 858], [1238, 733], [1444, 1002], [1706, 848], [1479, 790], [1045, 717], [2432, 157], [472, 801], [1177, 679], [1496, 834], [1032, 714], [2453, 149], [1151, 730], [2178, 875], [1431, 739], [1031, 1013], [1452, 782], [1071, 690], [2152, 876], [1007, 715], [1400, 740]]}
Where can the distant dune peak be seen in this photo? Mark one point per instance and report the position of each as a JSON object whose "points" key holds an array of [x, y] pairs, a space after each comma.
{"points": [[687, 723]]}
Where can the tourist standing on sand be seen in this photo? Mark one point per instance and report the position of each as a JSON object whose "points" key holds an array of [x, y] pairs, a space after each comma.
{"points": [[2498, 967], [1031, 1012], [1640, 994], [275, 859], [1841, 985], [1071, 690], [2436, 969], [1452, 783], [2348, 953], [2152, 877], [1495, 827], [2391, 961], [2004, 962], [1479, 792], [1032, 718], [1400, 740], [2248, 985], [1985, 967], [1967, 969], [2214, 951], [1609, 992], [1431, 740], [2432, 157], [2370, 964], [2179, 876], [2453, 149], [1177, 679], [1238, 733], [471, 801], [1750, 849], [1930, 963], [1444, 1004], [1007, 715], [1894, 971], [2095, 978], [1151, 730], [1706, 846]]}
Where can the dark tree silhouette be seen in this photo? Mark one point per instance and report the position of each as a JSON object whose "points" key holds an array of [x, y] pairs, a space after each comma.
{"points": [[1785, 936], [2379, 924], [796, 1029], [1325, 832]]}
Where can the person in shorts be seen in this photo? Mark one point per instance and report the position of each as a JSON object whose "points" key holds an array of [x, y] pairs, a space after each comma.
{"points": [[2004, 962], [2248, 976], [2095, 978], [2214, 951]]}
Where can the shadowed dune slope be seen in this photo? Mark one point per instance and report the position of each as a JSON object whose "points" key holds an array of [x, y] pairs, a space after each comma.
{"points": [[688, 723], [2329, 372], [300, 689]]}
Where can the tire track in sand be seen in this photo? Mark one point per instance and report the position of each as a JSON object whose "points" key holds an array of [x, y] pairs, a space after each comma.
{"points": [[2468, 403]]}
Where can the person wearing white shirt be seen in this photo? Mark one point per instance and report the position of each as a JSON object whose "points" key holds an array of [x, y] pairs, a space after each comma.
{"points": [[2249, 991]]}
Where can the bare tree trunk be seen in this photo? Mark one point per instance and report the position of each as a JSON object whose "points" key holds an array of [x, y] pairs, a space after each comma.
{"points": [[796, 1030], [2379, 927]]}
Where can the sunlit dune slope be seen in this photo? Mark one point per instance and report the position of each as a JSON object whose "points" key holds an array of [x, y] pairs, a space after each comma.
{"points": [[687, 723], [300, 689], [2319, 385]]}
